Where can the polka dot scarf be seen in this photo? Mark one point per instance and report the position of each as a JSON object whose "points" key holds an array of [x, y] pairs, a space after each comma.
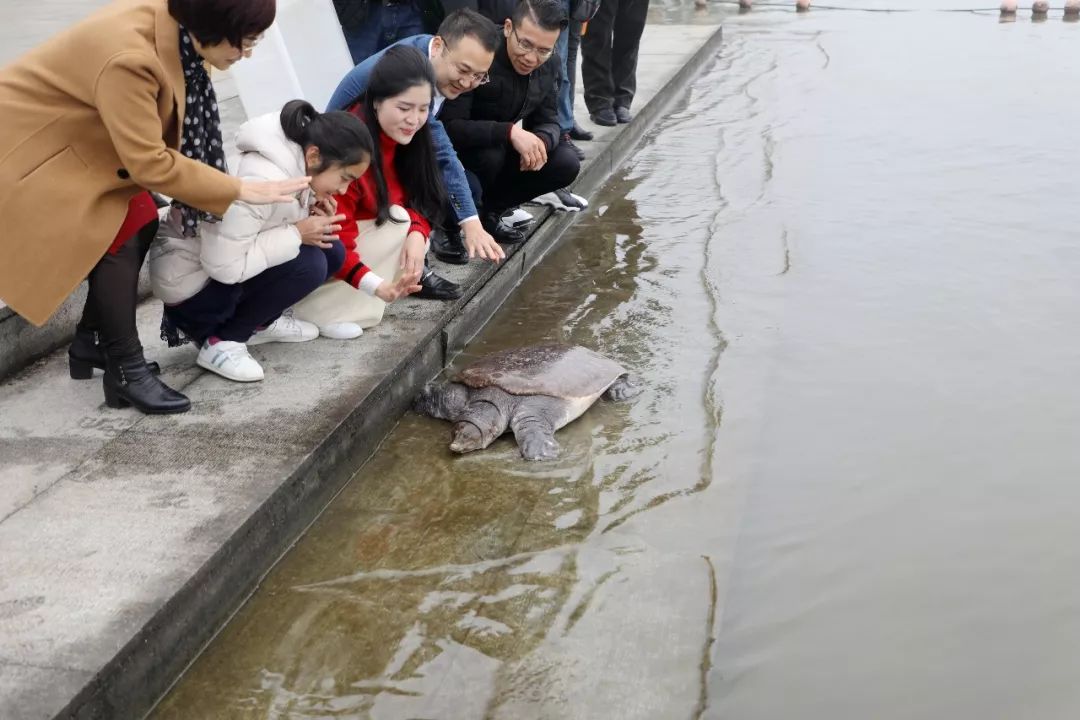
{"points": [[200, 138]]}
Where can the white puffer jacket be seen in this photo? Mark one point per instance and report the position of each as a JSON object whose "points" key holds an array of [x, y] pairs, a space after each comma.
{"points": [[249, 238]]}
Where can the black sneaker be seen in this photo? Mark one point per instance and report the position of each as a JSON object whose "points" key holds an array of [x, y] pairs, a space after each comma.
{"points": [[570, 144], [517, 218], [622, 115], [503, 233]]}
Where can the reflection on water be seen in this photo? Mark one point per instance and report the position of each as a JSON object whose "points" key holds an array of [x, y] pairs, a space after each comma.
{"points": [[846, 272]]}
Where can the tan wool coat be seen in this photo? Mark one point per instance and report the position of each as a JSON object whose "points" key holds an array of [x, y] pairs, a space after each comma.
{"points": [[87, 121]]}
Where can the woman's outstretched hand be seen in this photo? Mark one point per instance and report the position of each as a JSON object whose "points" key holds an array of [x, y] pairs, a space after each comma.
{"points": [[267, 192], [405, 285]]}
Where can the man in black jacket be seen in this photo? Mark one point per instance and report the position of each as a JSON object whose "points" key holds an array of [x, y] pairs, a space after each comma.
{"points": [[509, 164]]}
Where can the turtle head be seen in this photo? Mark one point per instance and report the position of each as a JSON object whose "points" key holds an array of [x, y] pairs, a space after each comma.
{"points": [[442, 401], [425, 401], [466, 438]]}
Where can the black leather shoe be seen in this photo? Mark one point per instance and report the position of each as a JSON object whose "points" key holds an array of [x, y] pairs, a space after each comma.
{"points": [[502, 232], [605, 117], [85, 353], [622, 115], [449, 247], [128, 381], [570, 144], [579, 133], [433, 287]]}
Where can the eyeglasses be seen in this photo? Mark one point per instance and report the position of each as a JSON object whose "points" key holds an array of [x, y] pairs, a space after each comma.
{"points": [[527, 47], [249, 43], [479, 78]]}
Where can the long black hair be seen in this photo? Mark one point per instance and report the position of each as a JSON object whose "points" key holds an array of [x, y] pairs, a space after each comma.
{"points": [[341, 137], [400, 68]]}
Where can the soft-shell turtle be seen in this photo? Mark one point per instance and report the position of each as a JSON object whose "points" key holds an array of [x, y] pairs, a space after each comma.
{"points": [[533, 391]]}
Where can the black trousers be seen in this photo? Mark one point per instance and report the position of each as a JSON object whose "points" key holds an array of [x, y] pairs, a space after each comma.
{"points": [[496, 172], [235, 312], [113, 295], [609, 53]]}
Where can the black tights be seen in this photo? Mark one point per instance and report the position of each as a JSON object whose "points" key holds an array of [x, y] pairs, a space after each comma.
{"points": [[114, 295]]}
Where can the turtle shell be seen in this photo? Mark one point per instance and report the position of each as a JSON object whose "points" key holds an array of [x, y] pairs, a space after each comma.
{"points": [[563, 371]]}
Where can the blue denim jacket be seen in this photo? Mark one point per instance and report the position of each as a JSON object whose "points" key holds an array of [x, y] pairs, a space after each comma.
{"points": [[457, 186]]}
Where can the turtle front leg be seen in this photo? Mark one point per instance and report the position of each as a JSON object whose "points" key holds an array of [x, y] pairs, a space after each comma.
{"points": [[534, 422], [445, 402], [624, 388]]}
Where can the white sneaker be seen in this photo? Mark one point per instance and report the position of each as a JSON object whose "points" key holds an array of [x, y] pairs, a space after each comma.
{"points": [[563, 199], [229, 360], [518, 218], [286, 329], [341, 331]]}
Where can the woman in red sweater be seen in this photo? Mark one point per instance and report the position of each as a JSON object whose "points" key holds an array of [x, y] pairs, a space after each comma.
{"points": [[388, 211]]}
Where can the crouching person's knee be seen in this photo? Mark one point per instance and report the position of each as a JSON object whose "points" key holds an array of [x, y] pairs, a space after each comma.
{"points": [[565, 166], [311, 267], [335, 257]]}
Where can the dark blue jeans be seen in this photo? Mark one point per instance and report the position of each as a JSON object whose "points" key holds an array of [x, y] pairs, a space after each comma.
{"points": [[567, 50], [385, 25], [235, 312]]}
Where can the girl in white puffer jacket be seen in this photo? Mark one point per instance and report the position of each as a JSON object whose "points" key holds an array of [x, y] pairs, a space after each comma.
{"points": [[227, 287]]}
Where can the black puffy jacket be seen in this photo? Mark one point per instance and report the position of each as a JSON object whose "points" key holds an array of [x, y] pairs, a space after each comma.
{"points": [[483, 117]]}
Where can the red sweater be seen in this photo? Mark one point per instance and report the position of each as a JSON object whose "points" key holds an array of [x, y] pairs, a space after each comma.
{"points": [[359, 203]]}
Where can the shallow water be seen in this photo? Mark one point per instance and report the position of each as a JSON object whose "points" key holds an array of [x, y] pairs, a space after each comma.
{"points": [[845, 271]]}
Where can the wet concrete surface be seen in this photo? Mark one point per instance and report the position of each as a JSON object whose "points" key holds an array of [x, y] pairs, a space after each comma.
{"points": [[847, 278]]}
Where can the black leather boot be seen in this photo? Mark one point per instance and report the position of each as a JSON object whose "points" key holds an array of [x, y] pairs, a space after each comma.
{"points": [[86, 353], [129, 381], [449, 246]]}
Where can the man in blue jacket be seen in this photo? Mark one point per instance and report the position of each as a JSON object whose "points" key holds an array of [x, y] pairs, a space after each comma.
{"points": [[461, 54]]}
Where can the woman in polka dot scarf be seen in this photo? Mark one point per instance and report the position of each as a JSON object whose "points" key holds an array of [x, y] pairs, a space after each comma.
{"points": [[94, 120]]}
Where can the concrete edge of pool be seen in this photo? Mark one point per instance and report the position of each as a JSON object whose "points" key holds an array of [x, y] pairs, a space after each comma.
{"points": [[140, 537]]}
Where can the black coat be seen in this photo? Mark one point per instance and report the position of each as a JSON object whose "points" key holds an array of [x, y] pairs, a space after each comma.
{"points": [[496, 10], [483, 117]]}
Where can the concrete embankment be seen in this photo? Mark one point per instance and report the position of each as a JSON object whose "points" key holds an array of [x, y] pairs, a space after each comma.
{"points": [[126, 541]]}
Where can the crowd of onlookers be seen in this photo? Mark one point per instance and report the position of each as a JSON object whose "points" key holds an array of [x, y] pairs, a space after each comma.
{"points": [[452, 118]]}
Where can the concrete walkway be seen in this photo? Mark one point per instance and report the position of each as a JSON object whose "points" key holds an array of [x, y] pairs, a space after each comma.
{"points": [[126, 540]]}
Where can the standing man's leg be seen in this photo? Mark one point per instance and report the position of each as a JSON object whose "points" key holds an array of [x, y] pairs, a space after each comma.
{"points": [[629, 25], [363, 37], [401, 20], [596, 64], [565, 100], [573, 43]]}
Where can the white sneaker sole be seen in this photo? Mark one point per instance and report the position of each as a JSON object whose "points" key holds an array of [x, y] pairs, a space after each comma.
{"points": [[228, 376], [256, 340], [557, 205], [340, 336]]}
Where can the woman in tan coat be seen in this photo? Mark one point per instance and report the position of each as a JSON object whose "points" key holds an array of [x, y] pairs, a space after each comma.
{"points": [[116, 106]]}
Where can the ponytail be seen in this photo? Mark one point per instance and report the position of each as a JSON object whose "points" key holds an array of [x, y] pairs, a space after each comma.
{"points": [[341, 138]]}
